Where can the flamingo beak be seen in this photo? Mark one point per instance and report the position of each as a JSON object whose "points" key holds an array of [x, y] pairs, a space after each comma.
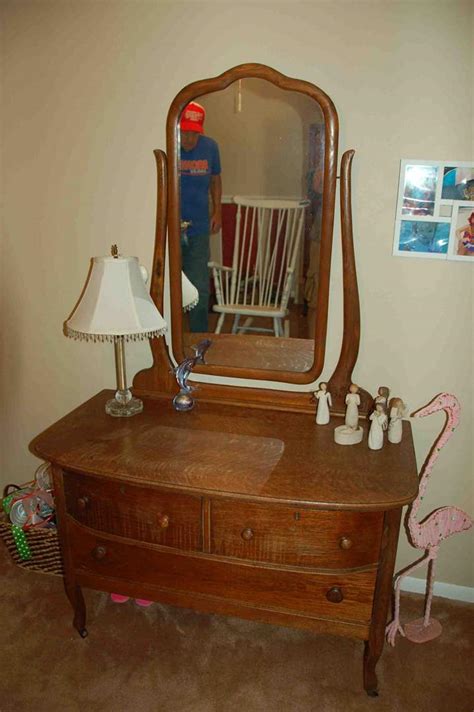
{"points": [[428, 409], [443, 401]]}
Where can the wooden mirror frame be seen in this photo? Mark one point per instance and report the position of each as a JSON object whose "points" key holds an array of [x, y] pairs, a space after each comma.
{"points": [[159, 378], [208, 86]]}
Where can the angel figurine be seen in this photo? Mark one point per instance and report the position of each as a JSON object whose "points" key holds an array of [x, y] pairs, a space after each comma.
{"points": [[379, 422], [397, 411], [352, 410], [382, 397], [351, 432], [323, 398]]}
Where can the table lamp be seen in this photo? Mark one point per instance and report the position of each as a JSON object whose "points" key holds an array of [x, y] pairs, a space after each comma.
{"points": [[115, 306], [190, 293]]}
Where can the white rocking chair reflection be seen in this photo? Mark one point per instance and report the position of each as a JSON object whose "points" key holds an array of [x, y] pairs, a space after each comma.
{"points": [[268, 235]]}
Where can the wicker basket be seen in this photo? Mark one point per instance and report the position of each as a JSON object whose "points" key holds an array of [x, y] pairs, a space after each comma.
{"points": [[43, 544]]}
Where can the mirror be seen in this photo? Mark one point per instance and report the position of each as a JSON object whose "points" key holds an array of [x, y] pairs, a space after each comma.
{"points": [[266, 149], [251, 178]]}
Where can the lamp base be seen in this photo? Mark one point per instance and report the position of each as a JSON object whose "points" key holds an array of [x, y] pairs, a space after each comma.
{"points": [[123, 405]]}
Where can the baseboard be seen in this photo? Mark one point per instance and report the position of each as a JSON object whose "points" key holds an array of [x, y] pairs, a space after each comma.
{"points": [[445, 590]]}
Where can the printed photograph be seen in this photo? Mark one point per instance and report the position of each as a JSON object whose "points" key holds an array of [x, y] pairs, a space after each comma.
{"points": [[419, 190], [458, 183], [424, 238], [461, 244]]}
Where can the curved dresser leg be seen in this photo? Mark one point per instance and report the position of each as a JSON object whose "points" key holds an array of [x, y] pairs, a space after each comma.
{"points": [[383, 589], [74, 593], [370, 676]]}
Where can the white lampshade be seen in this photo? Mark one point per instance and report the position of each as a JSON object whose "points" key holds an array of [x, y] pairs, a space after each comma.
{"points": [[115, 303], [190, 293]]}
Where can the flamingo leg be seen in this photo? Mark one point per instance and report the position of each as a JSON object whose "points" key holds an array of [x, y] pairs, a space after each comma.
{"points": [[424, 629], [429, 596], [394, 626]]}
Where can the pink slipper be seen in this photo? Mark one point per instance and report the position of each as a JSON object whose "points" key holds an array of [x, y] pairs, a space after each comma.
{"points": [[118, 598], [143, 602]]}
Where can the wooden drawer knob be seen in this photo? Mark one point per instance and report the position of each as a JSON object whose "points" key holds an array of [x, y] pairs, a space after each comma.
{"points": [[335, 595], [82, 503], [99, 552], [163, 520], [247, 534], [345, 542]]}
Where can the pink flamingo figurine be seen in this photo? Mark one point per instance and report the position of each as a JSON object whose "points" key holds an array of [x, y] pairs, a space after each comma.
{"points": [[429, 533]]}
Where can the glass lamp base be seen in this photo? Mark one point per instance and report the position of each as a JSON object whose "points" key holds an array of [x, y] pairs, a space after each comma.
{"points": [[123, 405]]}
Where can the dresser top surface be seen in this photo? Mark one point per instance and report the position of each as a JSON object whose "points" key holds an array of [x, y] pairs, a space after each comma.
{"points": [[233, 451]]}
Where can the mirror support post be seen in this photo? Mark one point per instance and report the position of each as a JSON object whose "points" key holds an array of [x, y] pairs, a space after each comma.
{"points": [[342, 377], [158, 378]]}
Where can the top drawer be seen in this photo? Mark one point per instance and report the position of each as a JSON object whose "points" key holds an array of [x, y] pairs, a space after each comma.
{"points": [[295, 536], [140, 513]]}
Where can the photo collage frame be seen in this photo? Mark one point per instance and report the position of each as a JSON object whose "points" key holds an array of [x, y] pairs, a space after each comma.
{"points": [[435, 210]]}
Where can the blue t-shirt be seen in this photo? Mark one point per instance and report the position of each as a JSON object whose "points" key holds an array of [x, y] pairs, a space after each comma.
{"points": [[196, 168]]}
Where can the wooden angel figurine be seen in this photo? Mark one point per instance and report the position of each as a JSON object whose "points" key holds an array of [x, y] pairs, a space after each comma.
{"points": [[352, 410], [378, 424], [323, 398], [381, 397], [397, 411], [351, 432]]}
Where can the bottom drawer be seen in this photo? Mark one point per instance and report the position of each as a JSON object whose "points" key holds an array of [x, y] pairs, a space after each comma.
{"points": [[345, 596]]}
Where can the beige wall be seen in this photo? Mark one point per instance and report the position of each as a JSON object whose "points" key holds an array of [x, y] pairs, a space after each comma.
{"points": [[86, 90], [263, 146]]}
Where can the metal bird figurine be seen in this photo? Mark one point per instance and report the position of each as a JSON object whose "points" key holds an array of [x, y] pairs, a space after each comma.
{"points": [[429, 533]]}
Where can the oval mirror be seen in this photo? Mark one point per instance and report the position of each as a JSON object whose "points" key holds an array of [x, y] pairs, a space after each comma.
{"points": [[252, 159]]}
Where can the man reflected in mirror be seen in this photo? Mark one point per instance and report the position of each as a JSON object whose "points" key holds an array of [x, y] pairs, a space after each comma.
{"points": [[201, 192]]}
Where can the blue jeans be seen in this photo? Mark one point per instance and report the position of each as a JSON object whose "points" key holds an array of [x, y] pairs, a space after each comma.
{"points": [[195, 256]]}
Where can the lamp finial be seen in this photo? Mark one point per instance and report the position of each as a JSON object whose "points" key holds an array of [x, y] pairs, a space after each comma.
{"points": [[114, 251]]}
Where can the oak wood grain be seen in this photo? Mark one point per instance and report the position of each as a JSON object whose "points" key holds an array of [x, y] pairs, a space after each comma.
{"points": [[383, 590], [290, 535], [144, 514], [250, 512], [341, 379], [299, 591], [215, 604], [215, 448]]}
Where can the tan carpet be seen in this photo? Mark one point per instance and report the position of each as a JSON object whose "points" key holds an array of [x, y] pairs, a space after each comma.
{"points": [[166, 659]]}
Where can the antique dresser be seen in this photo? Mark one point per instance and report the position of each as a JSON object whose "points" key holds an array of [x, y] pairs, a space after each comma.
{"points": [[242, 505]]}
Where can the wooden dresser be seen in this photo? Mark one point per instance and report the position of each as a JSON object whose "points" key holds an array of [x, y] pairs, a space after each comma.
{"points": [[249, 512]]}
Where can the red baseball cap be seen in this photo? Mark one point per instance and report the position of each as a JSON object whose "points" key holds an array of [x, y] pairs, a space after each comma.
{"points": [[192, 118]]}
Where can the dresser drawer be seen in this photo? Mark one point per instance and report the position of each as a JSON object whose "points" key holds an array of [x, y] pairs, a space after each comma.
{"points": [[141, 513], [104, 561], [295, 536]]}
